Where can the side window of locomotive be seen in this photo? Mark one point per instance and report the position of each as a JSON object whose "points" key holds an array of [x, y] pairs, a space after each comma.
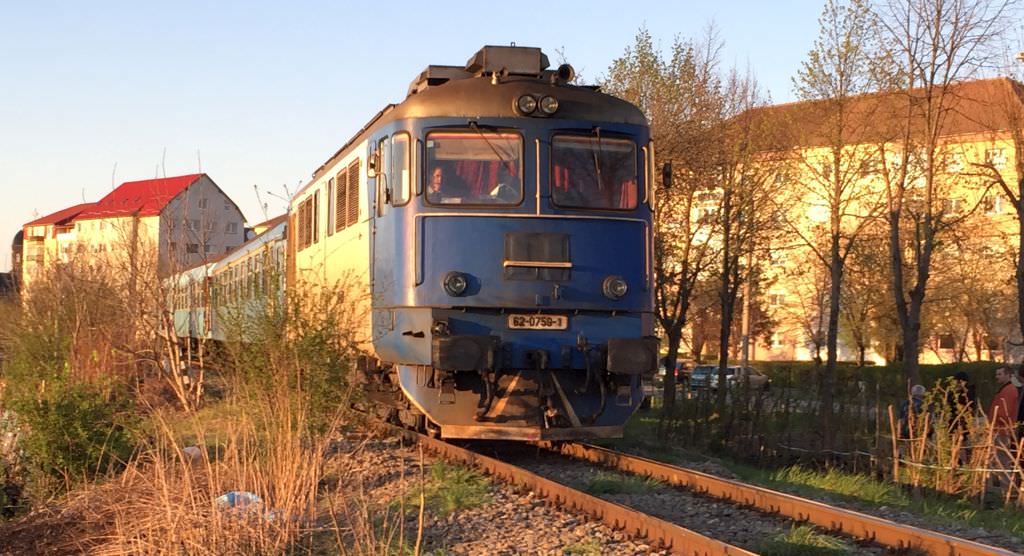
{"points": [[330, 207], [474, 167], [593, 172], [383, 181], [340, 199], [399, 179]]}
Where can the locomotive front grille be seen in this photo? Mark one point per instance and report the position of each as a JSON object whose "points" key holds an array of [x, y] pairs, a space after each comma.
{"points": [[537, 256]]}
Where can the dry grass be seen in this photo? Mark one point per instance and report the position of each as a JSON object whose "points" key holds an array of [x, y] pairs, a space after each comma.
{"points": [[954, 450]]}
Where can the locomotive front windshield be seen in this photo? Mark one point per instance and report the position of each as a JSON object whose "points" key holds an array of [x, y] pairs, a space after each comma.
{"points": [[475, 167], [593, 172]]}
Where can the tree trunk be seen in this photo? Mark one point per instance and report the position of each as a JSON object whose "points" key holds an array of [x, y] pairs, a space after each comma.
{"points": [[832, 342], [1020, 257], [669, 393], [912, 340], [726, 300]]}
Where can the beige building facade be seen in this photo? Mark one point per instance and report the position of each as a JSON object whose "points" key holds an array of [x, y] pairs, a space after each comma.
{"points": [[147, 229], [971, 311]]}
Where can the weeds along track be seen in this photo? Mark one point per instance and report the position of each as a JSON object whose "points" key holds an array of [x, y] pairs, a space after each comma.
{"points": [[868, 528], [634, 523]]}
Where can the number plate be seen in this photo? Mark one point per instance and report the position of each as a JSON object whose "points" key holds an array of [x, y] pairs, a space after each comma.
{"points": [[538, 322]]}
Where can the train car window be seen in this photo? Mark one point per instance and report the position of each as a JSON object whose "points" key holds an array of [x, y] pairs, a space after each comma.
{"points": [[339, 199], [316, 216], [399, 179], [330, 207], [475, 167], [593, 172], [352, 195]]}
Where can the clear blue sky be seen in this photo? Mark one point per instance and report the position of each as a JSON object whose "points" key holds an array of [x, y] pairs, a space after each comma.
{"points": [[267, 91]]}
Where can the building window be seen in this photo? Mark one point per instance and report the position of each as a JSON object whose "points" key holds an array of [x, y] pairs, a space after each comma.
{"points": [[172, 247], [207, 248], [209, 225], [707, 215], [228, 248], [192, 248], [193, 225], [227, 205], [955, 163], [992, 203], [996, 157], [776, 340], [870, 167], [202, 203], [946, 341], [232, 228], [776, 299], [952, 206]]}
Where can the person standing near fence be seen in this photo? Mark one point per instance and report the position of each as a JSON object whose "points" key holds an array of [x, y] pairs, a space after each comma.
{"points": [[910, 410], [1002, 412], [1020, 403], [1002, 417]]}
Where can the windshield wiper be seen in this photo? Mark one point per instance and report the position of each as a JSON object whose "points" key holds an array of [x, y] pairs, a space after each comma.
{"points": [[597, 161], [483, 135]]}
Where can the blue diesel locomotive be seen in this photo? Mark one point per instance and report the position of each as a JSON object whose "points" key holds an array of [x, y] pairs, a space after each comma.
{"points": [[498, 223]]}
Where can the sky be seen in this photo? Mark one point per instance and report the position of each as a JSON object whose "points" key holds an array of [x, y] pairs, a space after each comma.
{"points": [[258, 94]]}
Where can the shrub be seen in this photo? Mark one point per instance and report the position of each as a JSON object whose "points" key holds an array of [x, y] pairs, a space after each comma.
{"points": [[77, 431]]}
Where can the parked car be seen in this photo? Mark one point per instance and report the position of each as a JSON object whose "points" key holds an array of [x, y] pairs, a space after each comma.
{"points": [[706, 376]]}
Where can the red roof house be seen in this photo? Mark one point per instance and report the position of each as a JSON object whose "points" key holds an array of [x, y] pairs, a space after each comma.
{"points": [[140, 198]]}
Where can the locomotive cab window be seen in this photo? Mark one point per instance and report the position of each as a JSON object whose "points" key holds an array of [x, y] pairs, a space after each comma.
{"points": [[477, 167], [399, 180], [593, 172]]}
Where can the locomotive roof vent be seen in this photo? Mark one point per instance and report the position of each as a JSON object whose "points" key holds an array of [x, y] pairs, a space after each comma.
{"points": [[515, 60], [489, 60]]}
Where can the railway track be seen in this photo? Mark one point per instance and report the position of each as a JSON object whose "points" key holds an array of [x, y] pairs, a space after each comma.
{"points": [[681, 540], [865, 527], [634, 523]]}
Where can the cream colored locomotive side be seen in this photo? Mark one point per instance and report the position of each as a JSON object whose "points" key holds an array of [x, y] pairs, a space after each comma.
{"points": [[329, 242]]}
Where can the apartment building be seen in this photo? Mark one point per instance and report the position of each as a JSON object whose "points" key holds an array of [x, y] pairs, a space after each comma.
{"points": [[977, 138], [148, 227]]}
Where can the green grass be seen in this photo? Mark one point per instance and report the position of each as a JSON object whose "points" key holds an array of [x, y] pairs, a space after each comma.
{"points": [[613, 483], [450, 488], [803, 540], [866, 493], [589, 547]]}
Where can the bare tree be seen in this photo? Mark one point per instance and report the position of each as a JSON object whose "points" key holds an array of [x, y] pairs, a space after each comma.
{"points": [[1007, 116], [681, 99], [929, 46], [832, 162], [746, 171]]}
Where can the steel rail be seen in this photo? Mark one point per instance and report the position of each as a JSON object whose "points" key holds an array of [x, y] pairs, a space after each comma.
{"points": [[856, 524], [635, 524]]}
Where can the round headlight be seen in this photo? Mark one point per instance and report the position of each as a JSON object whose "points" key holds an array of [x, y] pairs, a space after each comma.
{"points": [[614, 287], [526, 104], [455, 283], [549, 105]]}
